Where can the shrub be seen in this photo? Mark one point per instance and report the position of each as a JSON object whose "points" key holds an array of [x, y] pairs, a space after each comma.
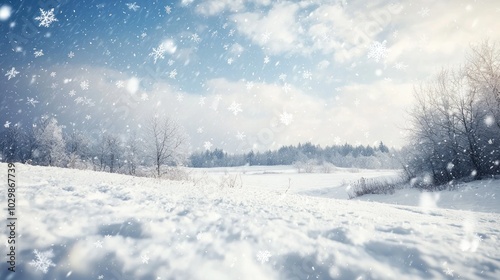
{"points": [[374, 186]]}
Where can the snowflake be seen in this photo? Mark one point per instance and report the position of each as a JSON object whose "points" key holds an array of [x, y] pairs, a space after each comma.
{"points": [[235, 108], [145, 259], [72, 92], [377, 51], [307, 75], [158, 53], [119, 84], [266, 36], [38, 53], [172, 74], [218, 97], [133, 6], [400, 66], [231, 32], [71, 54], [395, 34], [31, 101], [46, 18], [170, 62], [7, 124], [53, 74], [448, 271], [11, 73], [54, 85], [230, 61], [144, 97], [43, 260], [263, 256], [286, 87], [88, 117], [79, 100], [282, 77], [207, 145], [202, 100], [336, 140], [98, 243], [249, 85], [266, 59], [286, 118], [84, 85], [240, 135], [424, 12], [143, 35], [199, 130], [180, 97], [100, 277], [195, 38], [168, 10]]}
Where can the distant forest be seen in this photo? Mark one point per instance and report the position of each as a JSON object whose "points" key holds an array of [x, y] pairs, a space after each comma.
{"points": [[339, 155]]}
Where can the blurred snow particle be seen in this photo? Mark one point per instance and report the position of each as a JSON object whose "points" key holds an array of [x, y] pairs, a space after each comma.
{"points": [[133, 85], [489, 120], [428, 201], [5, 12]]}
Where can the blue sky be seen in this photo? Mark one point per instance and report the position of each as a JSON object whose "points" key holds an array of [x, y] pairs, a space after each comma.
{"points": [[239, 74]]}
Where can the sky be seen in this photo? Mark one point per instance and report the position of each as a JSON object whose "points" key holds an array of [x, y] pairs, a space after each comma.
{"points": [[236, 74]]}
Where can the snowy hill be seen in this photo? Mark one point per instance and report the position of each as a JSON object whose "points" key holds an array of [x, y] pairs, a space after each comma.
{"points": [[90, 225]]}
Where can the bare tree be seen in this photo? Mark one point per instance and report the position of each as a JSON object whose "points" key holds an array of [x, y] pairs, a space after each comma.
{"points": [[166, 142], [454, 123]]}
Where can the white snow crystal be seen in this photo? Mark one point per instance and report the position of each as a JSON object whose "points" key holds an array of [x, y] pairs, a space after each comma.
{"points": [[46, 18], [11, 73], [43, 260], [84, 85], [263, 256], [133, 6], [377, 51], [286, 118], [38, 53], [235, 108], [31, 101], [207, 145]]}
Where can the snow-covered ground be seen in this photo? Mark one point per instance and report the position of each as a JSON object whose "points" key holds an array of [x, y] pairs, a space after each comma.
{"points": [[90, 225]]}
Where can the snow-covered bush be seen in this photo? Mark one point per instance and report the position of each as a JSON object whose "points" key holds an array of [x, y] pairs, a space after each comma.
{"points": [[374, 186]]}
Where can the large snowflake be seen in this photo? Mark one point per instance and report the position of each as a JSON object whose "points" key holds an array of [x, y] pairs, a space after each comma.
{"points": [[43, 260], [377, 51], [11, 73], [235, 108], [286, 118], [158, 53], [46, 18], [133, 6]]}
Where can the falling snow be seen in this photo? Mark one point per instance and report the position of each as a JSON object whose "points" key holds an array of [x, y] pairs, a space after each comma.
{"points": [[11, 73], [46, 18], [43, 260], [263, 256], [377, 51]]}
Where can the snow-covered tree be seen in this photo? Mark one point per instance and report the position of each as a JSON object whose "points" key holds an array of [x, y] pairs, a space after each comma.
{"points": [[50, 145]]}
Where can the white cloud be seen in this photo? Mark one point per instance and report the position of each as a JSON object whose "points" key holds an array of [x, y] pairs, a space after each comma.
{"points": [[213, 7], [279, 22]]}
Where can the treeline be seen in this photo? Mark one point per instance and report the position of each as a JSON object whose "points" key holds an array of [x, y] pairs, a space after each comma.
{"points": [[161, 143], [339, 155], [455, 131]]}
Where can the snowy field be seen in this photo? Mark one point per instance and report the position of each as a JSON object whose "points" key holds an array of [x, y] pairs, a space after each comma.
{"points": [[90, 225]]}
